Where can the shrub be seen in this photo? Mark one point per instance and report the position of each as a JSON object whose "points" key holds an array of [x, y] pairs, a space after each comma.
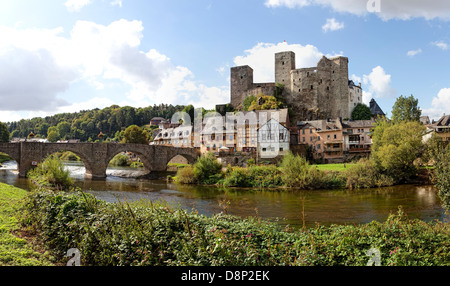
{"points": [[207, 169], [149, 233], [441, 176], [364, 174], [296, 172], [185, 175], [52, 173], [120, 160]]}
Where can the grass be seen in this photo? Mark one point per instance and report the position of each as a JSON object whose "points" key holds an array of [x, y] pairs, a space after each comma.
{"points": [[333, 167], [15, 250]]}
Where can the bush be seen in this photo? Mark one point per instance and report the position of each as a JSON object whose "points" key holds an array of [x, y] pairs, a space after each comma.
{"points": [[149, 233], [207, 169], [52, 173], [441, 177], [364, 174], [120, 160], [296, 172], [185, 175]]}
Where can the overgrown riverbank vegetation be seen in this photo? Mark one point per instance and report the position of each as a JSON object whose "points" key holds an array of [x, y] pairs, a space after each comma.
{"points": [[154, 233], [15, 250]]}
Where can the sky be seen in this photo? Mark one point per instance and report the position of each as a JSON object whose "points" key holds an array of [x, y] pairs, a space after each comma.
{"points": [[72, 55]]}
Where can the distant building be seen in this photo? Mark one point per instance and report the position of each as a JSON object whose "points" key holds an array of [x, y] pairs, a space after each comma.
{"points": [[425, 120], [442, 129], [155, 121], [325, 138], [375, 109], [357, 140], [273, 139]]}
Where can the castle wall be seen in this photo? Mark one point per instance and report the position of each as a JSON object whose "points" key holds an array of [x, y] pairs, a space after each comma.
{"points": [[313, 93]]}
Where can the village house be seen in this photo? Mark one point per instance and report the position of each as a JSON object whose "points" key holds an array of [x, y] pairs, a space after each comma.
{"points": [[357, 140], [442, 129], [273, 139], [325, 139]]}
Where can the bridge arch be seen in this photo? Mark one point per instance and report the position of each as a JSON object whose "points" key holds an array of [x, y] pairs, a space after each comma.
{"points": [[139, 153], [56, 148]]}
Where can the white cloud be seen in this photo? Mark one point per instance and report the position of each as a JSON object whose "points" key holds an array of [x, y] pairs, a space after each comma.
{"points": [[38, 66], [378, 85], [413, 53], [440, 105], [261, 58], [116, 3], [399, 9], [442, 45], [332, 25], [76, 5]]}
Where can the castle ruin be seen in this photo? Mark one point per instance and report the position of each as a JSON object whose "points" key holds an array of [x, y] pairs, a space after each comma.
{"points": [[314, 93]]}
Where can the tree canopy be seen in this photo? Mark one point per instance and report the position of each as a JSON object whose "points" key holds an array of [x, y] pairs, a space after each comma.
{"points": [[361, 112], [406, 109], [4, 133], [135, 135], [87, 124], [396, 147]]}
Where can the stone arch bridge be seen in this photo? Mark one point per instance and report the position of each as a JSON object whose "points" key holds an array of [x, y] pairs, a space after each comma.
{"points": [[96, 156]]}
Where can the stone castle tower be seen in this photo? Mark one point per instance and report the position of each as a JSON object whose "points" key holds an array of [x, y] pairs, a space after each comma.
{"points": [[320, 92]]}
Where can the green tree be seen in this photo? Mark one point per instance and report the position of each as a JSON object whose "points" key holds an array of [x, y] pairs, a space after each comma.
{"points": [[396, 147], [4, 133], [53, 136], [441, 176], [361, 112], [135, 135], [406, 109], [63, 129]]}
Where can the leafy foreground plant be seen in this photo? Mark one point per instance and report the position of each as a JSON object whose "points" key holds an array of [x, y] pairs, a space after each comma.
{"points": [[153, 233], [14, 251]]}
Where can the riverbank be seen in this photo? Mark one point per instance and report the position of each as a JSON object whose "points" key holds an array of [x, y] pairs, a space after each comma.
{"points": [[15, 250], [156, 234]]}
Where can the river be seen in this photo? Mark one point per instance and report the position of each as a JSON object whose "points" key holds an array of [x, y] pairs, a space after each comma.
{"points": [[287, 207]]}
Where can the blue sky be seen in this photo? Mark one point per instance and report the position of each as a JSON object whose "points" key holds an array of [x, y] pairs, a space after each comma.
{"points": [[70, 55]]}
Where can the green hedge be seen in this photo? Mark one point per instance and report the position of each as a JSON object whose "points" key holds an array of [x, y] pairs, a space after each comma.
{"points": [[153, 233]]}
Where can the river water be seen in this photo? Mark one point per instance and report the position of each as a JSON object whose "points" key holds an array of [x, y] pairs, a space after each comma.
{"points": [[292, 207]]}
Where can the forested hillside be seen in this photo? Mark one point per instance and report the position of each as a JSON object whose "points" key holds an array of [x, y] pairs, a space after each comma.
{"points": [[87, 125]]}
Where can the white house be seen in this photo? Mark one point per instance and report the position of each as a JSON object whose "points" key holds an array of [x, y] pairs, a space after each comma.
{"points": [[273, 139]]}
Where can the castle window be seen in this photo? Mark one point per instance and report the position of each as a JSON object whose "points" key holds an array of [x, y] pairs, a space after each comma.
{"points": [[312, 87], [328, 88], [282, 63]]}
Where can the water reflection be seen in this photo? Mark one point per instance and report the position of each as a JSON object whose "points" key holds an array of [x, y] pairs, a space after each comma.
{"points": [[290, 206]]}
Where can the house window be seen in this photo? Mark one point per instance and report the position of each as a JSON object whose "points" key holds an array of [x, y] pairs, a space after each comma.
{"points": [[335, 136], [281, 136], [304, 139], [264, 149], [310, 131], [328, 137], [281, 149], [303, 131]]}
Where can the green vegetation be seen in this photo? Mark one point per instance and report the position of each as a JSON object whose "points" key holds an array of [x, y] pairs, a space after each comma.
{"points": [[441, 176], [406, 109], [51, 173], [86, 125], [4, 158], [361, 112], [262, 102], [294, 171], [149, 233], [14, 250], [4, 133], [396, 147], [135, 135]]}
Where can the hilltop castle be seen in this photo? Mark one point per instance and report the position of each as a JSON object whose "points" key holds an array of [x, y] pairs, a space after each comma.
{"points": [[315, 93]]}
